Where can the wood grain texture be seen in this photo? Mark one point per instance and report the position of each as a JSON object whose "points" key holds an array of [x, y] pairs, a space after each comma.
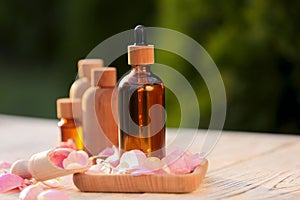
{"points": [[242, 165]]}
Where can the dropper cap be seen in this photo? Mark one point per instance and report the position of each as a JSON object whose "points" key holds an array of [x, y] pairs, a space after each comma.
{"points": [[85, 66], [140, 53], [104, 77]]}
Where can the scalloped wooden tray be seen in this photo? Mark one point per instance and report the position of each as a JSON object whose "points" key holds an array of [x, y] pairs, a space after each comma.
{"points": [[158, 183]]}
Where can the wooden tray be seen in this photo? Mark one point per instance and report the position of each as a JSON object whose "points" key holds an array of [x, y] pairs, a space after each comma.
{"points": [[159, 183]]}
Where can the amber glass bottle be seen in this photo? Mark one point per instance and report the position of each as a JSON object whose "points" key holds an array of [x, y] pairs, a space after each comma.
{"points": [[69, 124], [141, 102]]}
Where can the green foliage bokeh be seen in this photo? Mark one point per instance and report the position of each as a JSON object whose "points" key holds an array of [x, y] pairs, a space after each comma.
{"points": [[254, 43]]}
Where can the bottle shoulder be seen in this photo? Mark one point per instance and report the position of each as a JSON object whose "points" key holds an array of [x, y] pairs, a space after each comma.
{"points": [[81, 82], [79, 87], [89, 93], [139, 79]]}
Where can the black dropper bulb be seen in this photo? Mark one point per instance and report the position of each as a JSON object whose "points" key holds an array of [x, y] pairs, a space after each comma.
{"points": [[140, 36]]}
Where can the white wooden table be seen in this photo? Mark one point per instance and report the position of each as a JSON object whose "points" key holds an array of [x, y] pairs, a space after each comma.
{"points": [[242, 165]]}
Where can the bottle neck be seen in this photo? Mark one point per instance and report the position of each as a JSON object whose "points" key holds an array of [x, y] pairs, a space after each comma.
{"points": [[69, 121], [141, 68]]}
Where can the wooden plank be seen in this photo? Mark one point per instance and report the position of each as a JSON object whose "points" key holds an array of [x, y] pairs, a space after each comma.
{"points": [[273, 175], [24, 136], [242, 165], [237, 147]]}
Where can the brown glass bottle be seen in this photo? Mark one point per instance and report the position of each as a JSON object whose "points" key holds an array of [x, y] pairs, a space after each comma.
{"points": [[138, 93], [71, 130], [70, 124]]}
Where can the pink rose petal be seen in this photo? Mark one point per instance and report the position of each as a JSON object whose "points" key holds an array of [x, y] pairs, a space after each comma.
{"points": [[182, 162], [31, 192], [59, 155], [25, 184], [95, 169], [113, 159], [9, 182], [108, 151], [76, 160], [114, 163], [4, 165], [142, 170], [176, 162], [193, 160], [53, 195]]}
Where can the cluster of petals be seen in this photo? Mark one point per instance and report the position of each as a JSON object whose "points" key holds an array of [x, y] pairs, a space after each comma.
{"points": [[65, 158], [69, 159], [29, 191], [136, 163]]}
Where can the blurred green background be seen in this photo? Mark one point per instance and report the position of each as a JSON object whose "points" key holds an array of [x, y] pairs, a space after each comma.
{"points": [[255, 44]]}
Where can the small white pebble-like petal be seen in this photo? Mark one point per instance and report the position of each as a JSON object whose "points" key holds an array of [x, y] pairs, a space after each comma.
{"points": [[153, 163], [20, 168], [114, 158], [133, 158]]}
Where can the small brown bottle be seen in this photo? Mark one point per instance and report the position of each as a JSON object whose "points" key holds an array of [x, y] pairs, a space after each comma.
{"points": [[70, 123], [85, 67], [99, 126], [141, 102]]}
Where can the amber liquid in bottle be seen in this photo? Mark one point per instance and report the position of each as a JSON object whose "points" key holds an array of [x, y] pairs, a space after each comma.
{"points": [[138, 92], [71, 130]]}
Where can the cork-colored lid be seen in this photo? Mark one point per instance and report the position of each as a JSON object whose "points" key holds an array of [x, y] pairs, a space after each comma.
{"points": [[104, 77], [68, 108], [140, 53], [85, 66]]}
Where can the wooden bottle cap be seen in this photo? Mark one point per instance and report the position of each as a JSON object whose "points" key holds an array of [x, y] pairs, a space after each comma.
{"points": [[104, 77], [140, 55], [68, 108], [85, 66]]}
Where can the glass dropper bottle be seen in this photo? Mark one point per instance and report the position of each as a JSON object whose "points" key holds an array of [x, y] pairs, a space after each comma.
{"points": [[141, 102], [69, 113]]}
